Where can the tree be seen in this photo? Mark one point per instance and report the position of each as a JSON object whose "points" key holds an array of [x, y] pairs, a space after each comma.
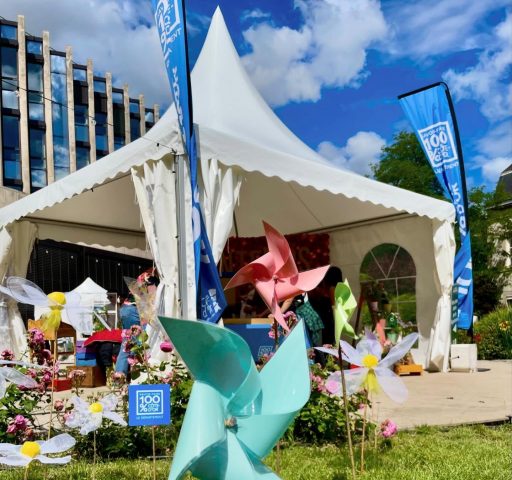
{"points": [[403, 164]]}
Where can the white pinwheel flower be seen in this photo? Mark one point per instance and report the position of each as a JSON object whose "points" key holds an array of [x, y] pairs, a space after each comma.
{"points": [[373, 372], [12, 375], [22, 455], [24, 291], [89, 417]]}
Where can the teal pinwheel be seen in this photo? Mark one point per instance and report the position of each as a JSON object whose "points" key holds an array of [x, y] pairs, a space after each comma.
{"points": [[344, 306], [235, 414]]}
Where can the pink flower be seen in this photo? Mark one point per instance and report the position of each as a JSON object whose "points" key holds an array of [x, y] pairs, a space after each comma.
{"points": [[66, 416], [388, 428], [166, 347], [7, 354], [21, 422], [58, 405], [132, 361], [11, 428], [332, 386], [36, 336], [135, 330], [126, 334]]}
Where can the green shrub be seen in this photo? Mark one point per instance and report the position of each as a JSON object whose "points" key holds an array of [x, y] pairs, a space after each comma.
{"points": [[493, 335]]}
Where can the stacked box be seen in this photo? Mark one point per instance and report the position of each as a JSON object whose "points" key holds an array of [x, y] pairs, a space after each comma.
{"points": [[85, 356]]}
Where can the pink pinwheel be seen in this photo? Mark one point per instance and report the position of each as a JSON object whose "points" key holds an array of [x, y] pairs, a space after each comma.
{"points": [[275, 274]]}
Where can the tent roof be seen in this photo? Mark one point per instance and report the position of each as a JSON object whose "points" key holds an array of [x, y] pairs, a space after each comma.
{"points": [[237, 128]]}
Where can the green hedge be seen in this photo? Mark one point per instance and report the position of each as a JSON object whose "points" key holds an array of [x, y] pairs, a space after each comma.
{"points": [[493, 335]]}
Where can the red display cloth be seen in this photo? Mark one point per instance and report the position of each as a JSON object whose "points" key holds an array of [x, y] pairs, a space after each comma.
{"points": [[105, 336]]}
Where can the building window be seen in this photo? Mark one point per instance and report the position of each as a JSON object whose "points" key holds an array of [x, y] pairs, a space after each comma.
{"points": [[59, 116], [9, 71], [82, 157], [100, 86], [149, 118], [10, 32], [134, 128], [80, 74], [134, 119], [11, 151], [81, 123], [34, 47], [35, 91], [37, 159], [101, 134], [118, 114]]}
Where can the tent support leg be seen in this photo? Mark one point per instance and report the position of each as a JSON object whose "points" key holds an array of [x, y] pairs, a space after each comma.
{"points": [[182, 240]]}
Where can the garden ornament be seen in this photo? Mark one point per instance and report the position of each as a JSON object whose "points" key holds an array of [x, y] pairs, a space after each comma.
{"points": [[275, 275], [24, 291], [344, 306], [373, 372], [22, 455], [235, 414]]}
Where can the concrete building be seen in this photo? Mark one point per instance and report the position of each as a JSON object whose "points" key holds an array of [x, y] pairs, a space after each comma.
{"points": [[57, 116], [505, 182]]}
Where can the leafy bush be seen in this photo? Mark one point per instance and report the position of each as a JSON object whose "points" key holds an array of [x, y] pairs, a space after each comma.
{"points": [[493, 335], [322, 419]]}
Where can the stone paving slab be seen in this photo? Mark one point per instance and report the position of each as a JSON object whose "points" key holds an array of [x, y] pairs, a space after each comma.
{"points": [[453, 398]]}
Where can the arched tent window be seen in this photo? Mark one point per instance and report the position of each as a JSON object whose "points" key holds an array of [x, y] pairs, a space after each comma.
{"points": [[391, 270]]}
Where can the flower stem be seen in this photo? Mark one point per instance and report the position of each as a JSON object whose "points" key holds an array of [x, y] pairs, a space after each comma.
{"points": [[275, 327], [53, 384], [364, 432], [347, 420], [25, 476], [94, 456]]}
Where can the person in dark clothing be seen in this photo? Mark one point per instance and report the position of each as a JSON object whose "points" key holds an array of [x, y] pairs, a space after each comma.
{"points": [[322, 301]]}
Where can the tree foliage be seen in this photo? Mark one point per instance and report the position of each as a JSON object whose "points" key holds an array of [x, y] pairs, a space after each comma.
{"points": [[403, 164]]}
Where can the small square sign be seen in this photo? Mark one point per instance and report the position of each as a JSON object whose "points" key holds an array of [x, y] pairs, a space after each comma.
{"points": [[149, 405]]}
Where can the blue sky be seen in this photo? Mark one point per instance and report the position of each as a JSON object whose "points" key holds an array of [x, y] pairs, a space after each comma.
{"points": [[331, 69]]}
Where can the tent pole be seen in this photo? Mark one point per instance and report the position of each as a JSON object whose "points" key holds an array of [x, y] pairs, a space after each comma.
{"points": [[182, 240]]}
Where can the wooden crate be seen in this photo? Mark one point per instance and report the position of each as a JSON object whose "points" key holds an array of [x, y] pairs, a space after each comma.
{"points": [[94, 376], [411, 369]]}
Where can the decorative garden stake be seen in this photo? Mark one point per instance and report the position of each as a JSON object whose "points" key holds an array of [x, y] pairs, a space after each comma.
{"points": [[373, 372], [24, 291], [275, 275], [89, 417], [23, 455], [235, 414]]}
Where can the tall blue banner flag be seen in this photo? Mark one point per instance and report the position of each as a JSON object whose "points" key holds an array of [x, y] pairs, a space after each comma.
{"points": [[430, 111], [171, 24]]}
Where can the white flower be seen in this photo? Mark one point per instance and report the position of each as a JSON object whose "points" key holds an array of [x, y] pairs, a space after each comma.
{"points": [[12, 375], [89, 417], [373, 372], [22, 455]]}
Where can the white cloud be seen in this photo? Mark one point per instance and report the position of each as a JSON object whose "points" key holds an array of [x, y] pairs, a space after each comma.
{"points": [[498, 141], [492, 167], [361, 150], [432, 27], [118, 35], [329, 50], [488, 82], [255, 14]]}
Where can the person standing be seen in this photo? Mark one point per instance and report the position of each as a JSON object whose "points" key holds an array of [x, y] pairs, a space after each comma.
{"points": [[129, 315]]}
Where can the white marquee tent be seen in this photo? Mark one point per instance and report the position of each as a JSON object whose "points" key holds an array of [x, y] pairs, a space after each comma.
{"points": [[252, 168]]}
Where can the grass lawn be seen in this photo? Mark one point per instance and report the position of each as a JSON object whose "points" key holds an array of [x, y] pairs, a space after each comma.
{"points": [[427, 453]]}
